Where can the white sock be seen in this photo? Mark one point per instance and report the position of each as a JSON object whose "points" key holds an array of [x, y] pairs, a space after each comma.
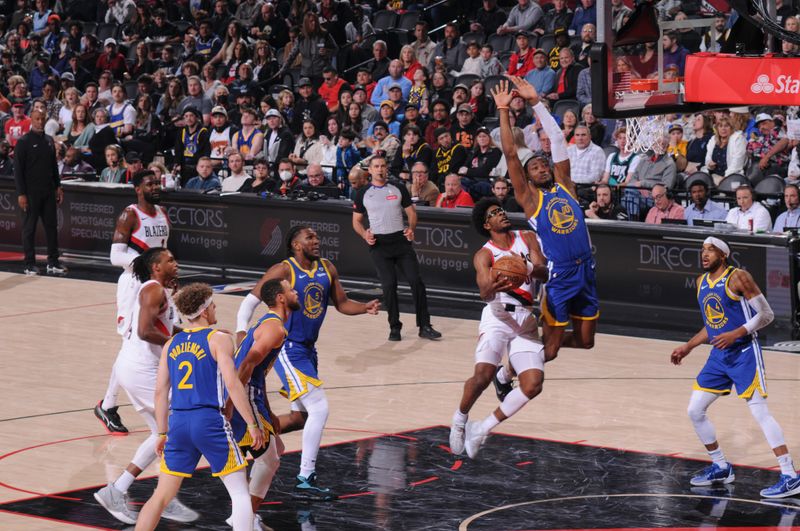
{"points": [[718, 457], [489, 423], [787, 467], [503, 376], [316, 405], [459, 418], [110, 400], [514, 401], [236, 485], [124, 481], [264, 469]]}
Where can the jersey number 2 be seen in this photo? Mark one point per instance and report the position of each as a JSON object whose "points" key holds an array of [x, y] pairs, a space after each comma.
{"points": [[183, 384]]}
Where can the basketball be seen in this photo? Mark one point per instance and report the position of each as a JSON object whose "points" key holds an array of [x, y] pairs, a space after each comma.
{"points": [[513, 268]]}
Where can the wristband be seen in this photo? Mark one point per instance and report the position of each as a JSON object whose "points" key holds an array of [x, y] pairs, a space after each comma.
{"points": [[254, 425], [163, 434], [502, 108]]}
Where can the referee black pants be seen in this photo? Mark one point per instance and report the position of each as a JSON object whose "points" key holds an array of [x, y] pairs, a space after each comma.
{"points": [[41, 204], [390, 253]]}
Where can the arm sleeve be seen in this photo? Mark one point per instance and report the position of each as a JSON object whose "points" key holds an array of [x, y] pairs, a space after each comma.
{"points": [[246, 310], [763, 316], [358, 202], [558, 144], [122, 255]]}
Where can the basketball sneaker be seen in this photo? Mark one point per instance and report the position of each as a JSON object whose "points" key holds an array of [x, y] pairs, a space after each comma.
{"points": [[474, 437], [32, 271], [116, 503], [713, 474], [56, 269], [785, 487], [258, 524], [308, 489], [110, 419], [500, 388], [457, 439], [178, 512]]}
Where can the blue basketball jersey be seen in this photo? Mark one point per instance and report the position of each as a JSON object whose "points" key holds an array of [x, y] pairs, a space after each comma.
{"points": [[723, 311], [193, 373], [116, 121], [561, 227], [259, 371], [313, 288]]}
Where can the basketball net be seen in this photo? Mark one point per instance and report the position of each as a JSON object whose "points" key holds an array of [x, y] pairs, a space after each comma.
{"points": [[643, 133]]}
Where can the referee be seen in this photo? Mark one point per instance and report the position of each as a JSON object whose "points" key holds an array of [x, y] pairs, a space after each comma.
{"points": [[38, 193], [390, 244]]}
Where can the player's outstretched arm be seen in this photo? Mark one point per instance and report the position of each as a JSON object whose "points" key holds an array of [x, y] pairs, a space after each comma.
{"points": [[342, 302], [222, 351], [162, 398], [248, 306], [743, 285], [558, 144], [488, 283]]}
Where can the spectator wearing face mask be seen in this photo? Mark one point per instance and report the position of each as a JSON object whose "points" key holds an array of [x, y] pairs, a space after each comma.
{"points": [[288, 179]]}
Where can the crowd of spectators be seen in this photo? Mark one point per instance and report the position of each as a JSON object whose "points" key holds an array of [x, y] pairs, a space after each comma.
{"points": [[292, 96]]}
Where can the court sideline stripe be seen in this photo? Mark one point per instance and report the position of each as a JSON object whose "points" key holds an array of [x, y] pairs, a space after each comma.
{"points": [[402, 384], [62, 309]]}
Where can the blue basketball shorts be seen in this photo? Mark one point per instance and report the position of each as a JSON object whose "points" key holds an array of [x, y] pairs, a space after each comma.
{"points": [[297, 368], [571, 293], [741, 366], [200, 432]]}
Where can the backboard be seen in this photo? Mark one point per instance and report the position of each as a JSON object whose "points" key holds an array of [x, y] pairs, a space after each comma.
{"points": [[632, 74]]}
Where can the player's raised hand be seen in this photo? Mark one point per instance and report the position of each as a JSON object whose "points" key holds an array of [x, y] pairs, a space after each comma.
{"points": [[525, 89], [502, 95], [679, 353], [373, 307]]}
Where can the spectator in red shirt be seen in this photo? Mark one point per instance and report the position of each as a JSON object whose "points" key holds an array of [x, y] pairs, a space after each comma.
{"points": [[17, 125], [329, 90], [521, 62], [364, 78], [454, 196], [112, 60]]}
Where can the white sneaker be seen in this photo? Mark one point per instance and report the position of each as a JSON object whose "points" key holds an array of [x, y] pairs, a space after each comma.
{"points": [[474, 438], [457, 439], [258, 525], [178, 512], [116, 503]]}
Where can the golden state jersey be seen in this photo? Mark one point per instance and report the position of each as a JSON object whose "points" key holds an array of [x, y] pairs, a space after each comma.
{"points": [[525, 293], [561, 227], [723, 311], [149, 231], [257, 384], [194, 375], [313, 288]]}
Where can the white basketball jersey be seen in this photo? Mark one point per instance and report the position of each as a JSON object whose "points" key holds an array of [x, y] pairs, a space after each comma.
{"points": [[150, 231], [137, 348], [524, 294], [219, 141]]}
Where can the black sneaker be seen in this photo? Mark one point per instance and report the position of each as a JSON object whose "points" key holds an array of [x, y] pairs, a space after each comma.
{"points": [[394, 334], [502, 389], [56, 269], [428, 332], [308, 489], [110, 419], [32, 271]]}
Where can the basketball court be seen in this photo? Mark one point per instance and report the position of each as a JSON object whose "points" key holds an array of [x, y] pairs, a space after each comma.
{"points": [[607, 444]]}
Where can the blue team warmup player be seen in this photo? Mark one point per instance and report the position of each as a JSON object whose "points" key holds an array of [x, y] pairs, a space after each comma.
{"points": [[317, 283], [254, 359], [733, 309], [193, 366]]}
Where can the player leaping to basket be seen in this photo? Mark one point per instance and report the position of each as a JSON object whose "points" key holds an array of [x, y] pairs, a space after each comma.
{"points": [[553, 211]]}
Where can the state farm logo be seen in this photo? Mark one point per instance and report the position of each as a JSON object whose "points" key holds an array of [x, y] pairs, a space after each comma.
{"points": [[783, 85], [270, 237]]}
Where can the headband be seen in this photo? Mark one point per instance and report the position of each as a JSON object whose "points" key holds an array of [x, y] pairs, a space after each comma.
{"points": [[719, 244], [200, 310]]}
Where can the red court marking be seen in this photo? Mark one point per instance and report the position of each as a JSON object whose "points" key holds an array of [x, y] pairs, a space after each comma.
{"points": [[457, 464], [8, 256], [423, 481], [271, 503], [524, 463], [578, 442], [676, 454], [446, 448], [66, 308], [376, 433], [772, 528], [55, 520], [355, 495]]}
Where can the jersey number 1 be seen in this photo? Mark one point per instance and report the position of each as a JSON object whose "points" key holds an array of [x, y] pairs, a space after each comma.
{"points": [[183, 384]]}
